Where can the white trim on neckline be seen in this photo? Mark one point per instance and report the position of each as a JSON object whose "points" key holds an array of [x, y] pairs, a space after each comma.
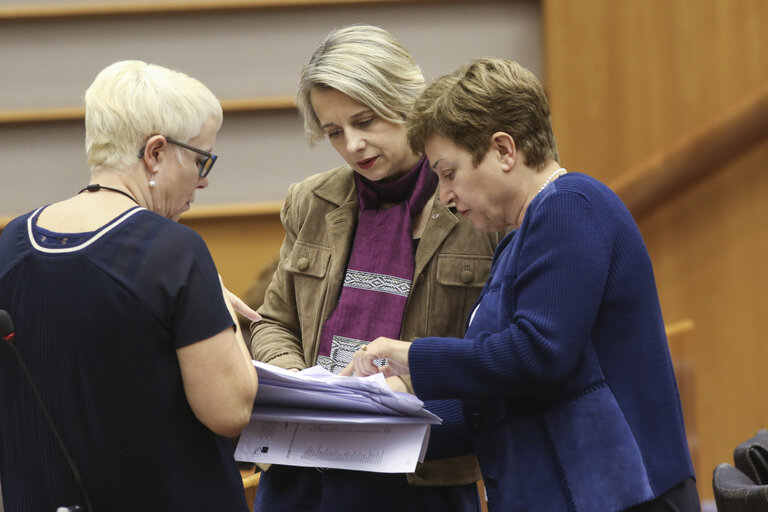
{"points": [[101, 233]]}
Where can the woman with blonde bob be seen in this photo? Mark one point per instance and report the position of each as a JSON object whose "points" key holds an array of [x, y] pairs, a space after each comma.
{"points": [[122, 320], [369, 251], [564, 371]]}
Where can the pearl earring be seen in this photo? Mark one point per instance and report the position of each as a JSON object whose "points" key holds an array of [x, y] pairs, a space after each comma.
{"points": [[152, 182]]}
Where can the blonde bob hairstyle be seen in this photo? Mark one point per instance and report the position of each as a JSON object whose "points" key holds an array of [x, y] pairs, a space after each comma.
{"points": [[129, 101], [367, 64], [486, 96]]}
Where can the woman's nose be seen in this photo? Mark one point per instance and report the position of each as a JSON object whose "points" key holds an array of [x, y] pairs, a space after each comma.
{"points": [[355, 141], [446, 195]]}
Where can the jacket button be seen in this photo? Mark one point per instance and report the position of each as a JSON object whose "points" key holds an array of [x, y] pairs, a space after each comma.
{"points": [[491, 482], [302, 264], [477, 420], [467, 276]]}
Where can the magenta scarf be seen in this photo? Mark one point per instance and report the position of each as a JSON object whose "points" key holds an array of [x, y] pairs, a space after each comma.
{"points": [[378, 278]]}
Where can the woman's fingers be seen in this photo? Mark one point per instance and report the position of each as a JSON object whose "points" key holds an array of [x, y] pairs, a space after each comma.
{"points": [[392, 353]]}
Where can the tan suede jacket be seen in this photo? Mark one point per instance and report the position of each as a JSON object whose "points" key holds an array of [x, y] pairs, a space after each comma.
{"points": [[452, 262]]}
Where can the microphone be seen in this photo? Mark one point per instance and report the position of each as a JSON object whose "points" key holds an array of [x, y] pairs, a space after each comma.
{"points": [[7, 333]]}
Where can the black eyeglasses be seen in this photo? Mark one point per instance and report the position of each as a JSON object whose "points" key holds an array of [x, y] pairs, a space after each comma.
{"points": [[205, 166]]}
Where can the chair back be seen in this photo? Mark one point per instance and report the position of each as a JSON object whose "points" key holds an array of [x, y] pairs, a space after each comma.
{"points": [[735, 492], [751, 457]]}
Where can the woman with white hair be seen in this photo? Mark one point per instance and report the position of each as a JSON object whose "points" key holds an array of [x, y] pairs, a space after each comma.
{"points": [[369, 250], [122, 320]]}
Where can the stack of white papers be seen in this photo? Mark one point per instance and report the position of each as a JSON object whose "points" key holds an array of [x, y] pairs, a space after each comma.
{"points": [[316, 419]]}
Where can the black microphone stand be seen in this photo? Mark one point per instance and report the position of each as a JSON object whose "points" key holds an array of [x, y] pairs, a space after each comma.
{"points": [[7, 325]]}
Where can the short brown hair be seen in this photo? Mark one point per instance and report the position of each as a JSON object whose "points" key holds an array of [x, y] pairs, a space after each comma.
{"points": [[485, 96]]}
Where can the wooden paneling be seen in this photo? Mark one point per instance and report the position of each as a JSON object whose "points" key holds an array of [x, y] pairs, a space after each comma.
{"points": [[250, 485], [693, 157], [242, 240], [627, 79], [681, 336], [240, 49], [123, 8], [229, 106]]}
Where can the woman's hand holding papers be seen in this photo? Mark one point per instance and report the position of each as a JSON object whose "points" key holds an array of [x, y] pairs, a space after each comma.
{"points": [[394, 351]]}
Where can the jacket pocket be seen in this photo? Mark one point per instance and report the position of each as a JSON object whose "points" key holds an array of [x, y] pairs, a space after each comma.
{"points": [[309, 260], [463, 271], [308, 264], [458, 282]]}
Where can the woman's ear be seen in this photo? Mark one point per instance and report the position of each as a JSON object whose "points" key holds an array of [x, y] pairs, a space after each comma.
{"points": [[504, 146], [152, 151]]}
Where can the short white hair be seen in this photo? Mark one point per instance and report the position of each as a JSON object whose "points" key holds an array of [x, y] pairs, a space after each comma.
{"points": [[130, 100], [367, 64]]}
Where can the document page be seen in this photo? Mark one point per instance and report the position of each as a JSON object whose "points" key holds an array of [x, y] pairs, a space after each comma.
{"points": [[384, 448], [317, 419]]}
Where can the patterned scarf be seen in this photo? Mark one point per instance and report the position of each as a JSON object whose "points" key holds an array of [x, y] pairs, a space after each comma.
{"points": [[378, 278]]}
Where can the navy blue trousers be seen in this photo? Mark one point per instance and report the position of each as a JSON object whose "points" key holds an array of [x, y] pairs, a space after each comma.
{"points": [[297, 489]]}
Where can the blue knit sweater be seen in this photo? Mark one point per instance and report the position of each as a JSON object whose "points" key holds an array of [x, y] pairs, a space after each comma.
{"points": [[564, 372]]}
